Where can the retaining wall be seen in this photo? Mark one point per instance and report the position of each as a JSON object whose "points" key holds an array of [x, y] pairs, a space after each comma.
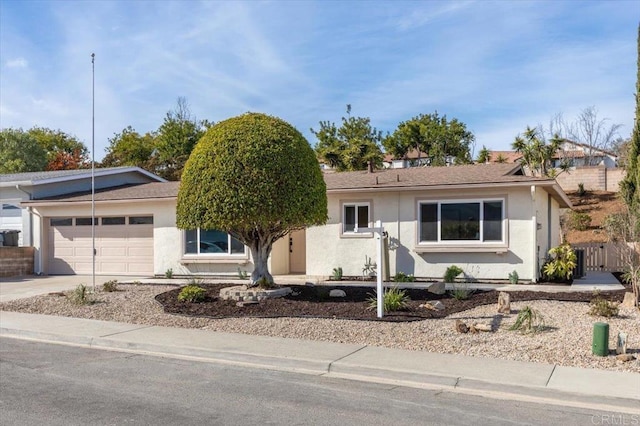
{"points": [[16, 261]]}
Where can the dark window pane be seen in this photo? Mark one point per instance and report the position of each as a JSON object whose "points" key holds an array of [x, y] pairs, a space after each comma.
{"points": [[236, 246], [213, 241], [349, 218], [119, 220], [64, 221], [84, 221], [363, 216], [428, 222], [141, 220], [191, 247], [492, 222], [460, 221]]}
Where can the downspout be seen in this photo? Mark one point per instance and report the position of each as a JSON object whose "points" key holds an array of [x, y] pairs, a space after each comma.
{"points": [[33, 212], [30, 195], [534, 237]]}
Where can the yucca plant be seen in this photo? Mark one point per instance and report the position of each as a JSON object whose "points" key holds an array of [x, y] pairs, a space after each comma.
{"points": [[529, 320], [394, 299]]}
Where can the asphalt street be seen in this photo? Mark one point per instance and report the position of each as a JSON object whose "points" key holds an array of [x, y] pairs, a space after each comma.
{"points": [[64, 385]]}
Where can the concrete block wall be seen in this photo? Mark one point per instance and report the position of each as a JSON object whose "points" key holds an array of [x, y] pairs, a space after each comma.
{"points": [[16, 261], [595, 178]]}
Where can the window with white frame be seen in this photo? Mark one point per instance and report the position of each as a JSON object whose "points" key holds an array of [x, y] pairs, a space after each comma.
{"points": [[212, 242], [355, 213], [461, 221]]}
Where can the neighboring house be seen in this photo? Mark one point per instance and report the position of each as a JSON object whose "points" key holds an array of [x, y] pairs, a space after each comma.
{"points": [[581, 155], [18, 187], [507, 157], [413, 158], [488, 219]]}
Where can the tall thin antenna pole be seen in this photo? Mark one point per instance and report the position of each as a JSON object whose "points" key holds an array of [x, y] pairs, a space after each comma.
{"points": [[93, 167]]}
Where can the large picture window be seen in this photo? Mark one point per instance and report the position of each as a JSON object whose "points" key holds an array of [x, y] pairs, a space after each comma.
{"points": [[212, 242], [461, 221], [355, 213]]}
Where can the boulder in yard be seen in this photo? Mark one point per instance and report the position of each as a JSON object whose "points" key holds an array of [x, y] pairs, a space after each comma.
{"points": [[433, 305], [504, 303], [625, 357], [461, 327], [627, 302], [437, 288], [336, 292]]}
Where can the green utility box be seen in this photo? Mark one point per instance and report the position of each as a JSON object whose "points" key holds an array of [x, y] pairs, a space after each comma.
{"points": [[600, 344]]}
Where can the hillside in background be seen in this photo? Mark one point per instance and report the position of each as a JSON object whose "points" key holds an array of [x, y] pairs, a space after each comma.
{"points": [[597, 204]]}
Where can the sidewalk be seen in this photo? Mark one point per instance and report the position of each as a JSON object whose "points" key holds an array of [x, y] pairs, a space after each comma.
{"points": [[616, 392]]}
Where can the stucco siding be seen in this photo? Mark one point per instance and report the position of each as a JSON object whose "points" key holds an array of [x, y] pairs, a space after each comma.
{"points": [[327, 249]]}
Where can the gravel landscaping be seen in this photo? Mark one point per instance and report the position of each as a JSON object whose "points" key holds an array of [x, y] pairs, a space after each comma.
{"points": [[565, 341]]}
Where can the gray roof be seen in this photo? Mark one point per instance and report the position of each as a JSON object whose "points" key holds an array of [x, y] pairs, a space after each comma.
{"points": [[35, 178], [153, 190]]}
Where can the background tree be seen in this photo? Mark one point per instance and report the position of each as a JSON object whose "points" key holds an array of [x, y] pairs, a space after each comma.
{"points": [[484, 156], [537, 154], [20, 152], [130, 148], [64, 151], [256, 178], [593, 131], [630, 186], [176, 138], [352, 146], [437, 137]]}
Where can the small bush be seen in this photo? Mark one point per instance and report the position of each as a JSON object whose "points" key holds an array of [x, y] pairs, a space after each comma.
{"points": [[264, 284], [192, 293], [560, 266], [461, 293], [603, 308], [242, 274], [451, 273], [81, 295], [336, 274], [581, 191], [529, 321], [110, 286], [168, 273], [394, 299], [401, 277], [514, 277], [579, 221]]}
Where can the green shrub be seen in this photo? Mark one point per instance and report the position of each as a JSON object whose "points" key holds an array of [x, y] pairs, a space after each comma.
{"points": [[265, 284], [81, 295], [581, 191], [451, 273], [603, 308], [336, 274], [192, 293], [461, 292], [242, 274], [110, 286], [514, 277], [394, 299], [529, 320], [561, 264], [579, 221], [401, 277], [168, 273]]}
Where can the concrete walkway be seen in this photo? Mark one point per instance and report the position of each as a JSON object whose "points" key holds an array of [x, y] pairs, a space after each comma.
{"points": [[617, 392]]}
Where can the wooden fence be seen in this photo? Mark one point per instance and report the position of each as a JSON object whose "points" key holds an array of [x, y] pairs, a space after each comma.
{"points": [[602, 256]]}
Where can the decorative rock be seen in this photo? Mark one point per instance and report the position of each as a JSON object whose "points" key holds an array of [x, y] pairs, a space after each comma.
{"points": [[621, 346], [433, 305], [504, 303], [461, 327], [336, 292], [625, 357], [244, 294], [246, 302], [482, 327], [437, 288], [627, 302]]}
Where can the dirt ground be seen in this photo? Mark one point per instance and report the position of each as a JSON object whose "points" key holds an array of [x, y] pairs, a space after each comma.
{"points": [[598, 204]]}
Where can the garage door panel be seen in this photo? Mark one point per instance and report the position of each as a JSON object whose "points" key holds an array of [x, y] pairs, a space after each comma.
{"points": [[120, 249]]}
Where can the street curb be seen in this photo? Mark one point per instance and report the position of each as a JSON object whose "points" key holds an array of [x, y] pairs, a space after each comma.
{"points": [[341, 367]]}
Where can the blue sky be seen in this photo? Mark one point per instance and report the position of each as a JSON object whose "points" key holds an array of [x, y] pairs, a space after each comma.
{"points": [[496, 66]]}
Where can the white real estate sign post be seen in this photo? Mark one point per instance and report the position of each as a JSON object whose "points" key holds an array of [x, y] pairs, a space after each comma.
{"points": [[379, 231]]}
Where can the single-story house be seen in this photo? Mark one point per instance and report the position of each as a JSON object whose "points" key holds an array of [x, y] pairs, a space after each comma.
{"points": [[488, 219], [18, 187]]}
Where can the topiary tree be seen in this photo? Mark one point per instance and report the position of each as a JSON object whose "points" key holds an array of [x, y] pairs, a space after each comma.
{"points": [[255, 177]]}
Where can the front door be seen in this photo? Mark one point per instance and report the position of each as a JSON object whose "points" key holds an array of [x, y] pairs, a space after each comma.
{"points": [[297, 252]]}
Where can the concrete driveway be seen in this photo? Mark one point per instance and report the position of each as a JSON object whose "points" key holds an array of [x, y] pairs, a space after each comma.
{"points": [[20, 287]]}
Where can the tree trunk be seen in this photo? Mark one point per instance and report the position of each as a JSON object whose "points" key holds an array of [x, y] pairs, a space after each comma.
{"points": [[260, 274]]}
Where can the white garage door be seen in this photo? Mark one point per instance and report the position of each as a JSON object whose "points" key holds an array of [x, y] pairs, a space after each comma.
{"points": [[124, 245]]}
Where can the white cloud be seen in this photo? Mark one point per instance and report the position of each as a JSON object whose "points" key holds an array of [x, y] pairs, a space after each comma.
{"points": [[17, 63]]}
